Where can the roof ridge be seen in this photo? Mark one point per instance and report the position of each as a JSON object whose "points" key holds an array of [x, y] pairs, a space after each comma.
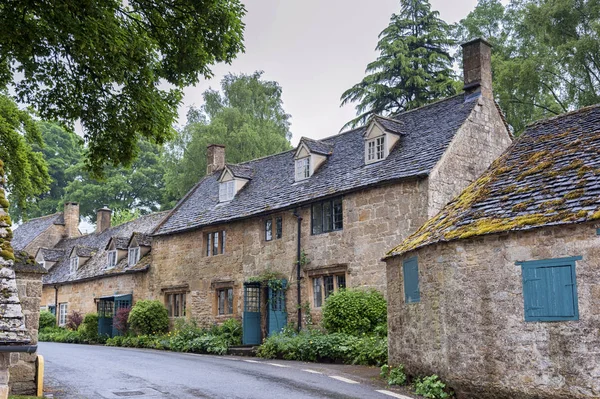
{"points": [[387, 118], [570, 113], [41, 217], [427, 105]]}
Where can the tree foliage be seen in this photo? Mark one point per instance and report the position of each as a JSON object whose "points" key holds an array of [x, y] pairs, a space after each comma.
{"points": [[414, 66], [546, 55], [117, 66], [247, 116], [27, 173]]}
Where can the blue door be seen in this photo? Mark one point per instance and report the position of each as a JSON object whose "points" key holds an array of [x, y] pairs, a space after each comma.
{"points": [[277, 317], [251, 322], [121, 302]]}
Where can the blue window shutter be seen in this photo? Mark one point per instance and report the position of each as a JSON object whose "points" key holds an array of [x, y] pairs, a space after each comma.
{"points": [[411, 280], [550, 290]]}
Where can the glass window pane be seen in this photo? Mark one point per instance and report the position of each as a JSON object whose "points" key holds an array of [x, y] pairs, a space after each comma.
{"points": [[269, 229], [229, 300], [208, 244], [278, 227], [317, 219], [327, 217], [318, 297], [221, 294], [341, 281], [176, 305], [338, 214], [223, 242], [215, 243], [328, 283]]}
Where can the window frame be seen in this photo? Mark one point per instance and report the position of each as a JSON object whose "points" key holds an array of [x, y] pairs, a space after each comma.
{"points": [[111, 259], [378, 145], [323, 293], [302, 169], [269, 229], [73, 264], [136, 251], [226, 190], [527, 266], [228, 299], [409, 292], [176, 308], [332, 212], [275, 231], [62, 314], [210, 242]]}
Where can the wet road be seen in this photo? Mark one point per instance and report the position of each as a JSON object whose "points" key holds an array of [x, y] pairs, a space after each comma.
{"points": [[86, 371]]}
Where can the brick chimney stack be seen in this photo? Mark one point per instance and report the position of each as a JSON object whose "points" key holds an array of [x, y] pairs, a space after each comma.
{"points": [[103, 216], [215, 158], [477, 67], [71, 216]]}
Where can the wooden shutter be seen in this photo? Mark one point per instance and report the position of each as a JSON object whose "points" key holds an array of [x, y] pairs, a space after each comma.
{"points": [[411, 280]]}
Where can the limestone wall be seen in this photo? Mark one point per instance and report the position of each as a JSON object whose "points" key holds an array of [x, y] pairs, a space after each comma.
{"points": [[48, 239], [469, 327], [481, 140]]}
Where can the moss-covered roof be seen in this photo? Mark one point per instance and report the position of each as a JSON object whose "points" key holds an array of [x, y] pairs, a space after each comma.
{"points": [[549, 176]]}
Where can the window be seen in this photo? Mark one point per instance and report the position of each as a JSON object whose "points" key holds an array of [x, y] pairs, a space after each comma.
{"points": [[327, 216], [176, 304], [225, 300], [134, 256], [550, 289], [215, 243], [52, 309], [323, 286], [376, 149], [112, 259], [410, 274], [273, 231], [74, 264], [62, 314], [302, 168], [226, 191]]}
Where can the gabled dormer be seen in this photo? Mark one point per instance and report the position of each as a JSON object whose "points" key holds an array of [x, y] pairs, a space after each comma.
{"points": [[381, 136], [48, 257], [78, 257], [139, 246], [116, 250], [232, 179], [309, 156]]}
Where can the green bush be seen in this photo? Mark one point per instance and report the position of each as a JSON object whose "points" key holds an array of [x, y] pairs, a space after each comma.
{"points": [[231, 331], [393, 375], [355, 312], [431, 387], [148, 317], [89, 328], [60, 335], [47, 319]]}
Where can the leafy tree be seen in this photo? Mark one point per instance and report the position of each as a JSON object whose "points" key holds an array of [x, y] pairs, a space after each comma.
{"points": [[26, 171], [247, 117], [62, 150], [137, 187], [414, 66], [117, 66], [121, 215]]}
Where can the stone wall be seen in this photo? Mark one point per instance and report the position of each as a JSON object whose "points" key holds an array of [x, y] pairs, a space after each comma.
{"points": [[80, 295], [48, 239], [469, 326], [481, 140]]}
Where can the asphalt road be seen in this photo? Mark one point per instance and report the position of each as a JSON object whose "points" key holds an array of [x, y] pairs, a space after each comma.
{"points": [[96, 372]]}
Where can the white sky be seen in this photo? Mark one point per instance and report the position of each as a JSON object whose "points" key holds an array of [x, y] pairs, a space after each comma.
{"points": [[315, 49]]}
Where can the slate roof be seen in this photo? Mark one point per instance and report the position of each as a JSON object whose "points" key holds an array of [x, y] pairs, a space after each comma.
{"points": [[143, 240], [317, 147], [428, 131], [96, 266], [85, 252], [549, 176], [28, 231], [243, 171], [390, 124], [51, 254], [120, 243]]}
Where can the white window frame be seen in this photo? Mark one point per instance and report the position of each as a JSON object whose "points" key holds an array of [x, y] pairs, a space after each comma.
{"points": [[303, 168], [74, 264], [375, 149], [111, 259], [133, 256], [226, 190], [62, 313]]}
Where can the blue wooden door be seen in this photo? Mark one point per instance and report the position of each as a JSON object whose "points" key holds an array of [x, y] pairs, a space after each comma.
{"points": [[121, 302], [277, 317], [251, 321], [105, 316]]}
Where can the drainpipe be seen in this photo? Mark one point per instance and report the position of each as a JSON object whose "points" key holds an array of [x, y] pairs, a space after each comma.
{"points": [[56, 303], [298, 265]]}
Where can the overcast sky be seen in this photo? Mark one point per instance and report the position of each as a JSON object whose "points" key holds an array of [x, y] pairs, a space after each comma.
{"points": [[315, 49]]}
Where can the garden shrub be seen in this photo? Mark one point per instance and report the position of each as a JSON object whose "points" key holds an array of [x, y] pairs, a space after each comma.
{"points": [[120, 321], [393, 375], [355, 312], [231, 331], [89, 328], [60, 335], [431, 387], [74, 320], [148, 317], [47, 320]]}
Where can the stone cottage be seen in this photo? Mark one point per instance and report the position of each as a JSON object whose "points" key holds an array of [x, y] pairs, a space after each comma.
{"points": [[318, 218], [499, 293]]}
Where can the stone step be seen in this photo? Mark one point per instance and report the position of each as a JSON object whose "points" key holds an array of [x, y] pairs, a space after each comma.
{"points": [[242, 350]]}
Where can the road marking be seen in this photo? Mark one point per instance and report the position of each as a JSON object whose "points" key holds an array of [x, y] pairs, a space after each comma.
{"points": [[343, 379], [251, 361], [393, 394], [312, 371], [226, 358], [278, 365]]}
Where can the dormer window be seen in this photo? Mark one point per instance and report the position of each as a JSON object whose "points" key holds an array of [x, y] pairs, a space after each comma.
{"points": [[376, 149], [226, 190], [74, 264], [134, 256], [302, 168], [112, 259]]}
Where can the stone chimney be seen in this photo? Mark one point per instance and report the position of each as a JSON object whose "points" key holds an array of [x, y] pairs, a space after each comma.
{"points": [[103, 219], [477, 67], [71, 216], [215, 158]]}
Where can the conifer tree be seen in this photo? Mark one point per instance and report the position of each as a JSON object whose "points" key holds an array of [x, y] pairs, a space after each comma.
{"points": [[414, 66]]}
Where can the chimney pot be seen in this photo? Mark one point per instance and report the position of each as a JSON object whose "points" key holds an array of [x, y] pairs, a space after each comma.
{"points": [[477, 67], [103, 216], [71, 217], [215, 158]]}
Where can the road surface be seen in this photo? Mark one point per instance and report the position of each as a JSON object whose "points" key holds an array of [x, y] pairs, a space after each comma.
{"points": [[99, 372]]}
